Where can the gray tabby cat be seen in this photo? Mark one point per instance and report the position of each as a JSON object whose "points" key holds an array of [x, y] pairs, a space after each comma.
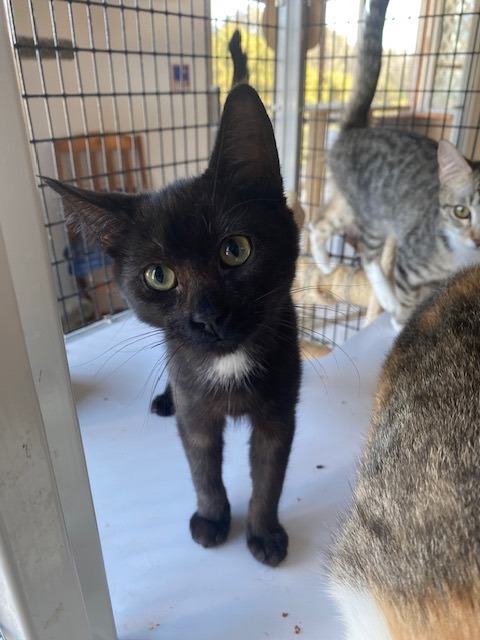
{"points": [[397, 184], [406, 565]]}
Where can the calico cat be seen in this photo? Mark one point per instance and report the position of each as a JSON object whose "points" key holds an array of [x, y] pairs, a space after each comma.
{"points": [[406, 564], [210, 261], [389, 183]]}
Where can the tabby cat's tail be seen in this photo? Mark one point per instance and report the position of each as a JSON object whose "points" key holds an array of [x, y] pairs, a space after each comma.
{"points": [[368, 66], [239, 58]]}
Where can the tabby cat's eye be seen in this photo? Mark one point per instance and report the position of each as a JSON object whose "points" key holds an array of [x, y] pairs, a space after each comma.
{"points": [[461, 212], [159, 278], [235, 250]]}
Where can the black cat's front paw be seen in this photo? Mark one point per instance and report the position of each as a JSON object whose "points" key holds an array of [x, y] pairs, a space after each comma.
{"points": [[163, 404], [209, 533], [270, 547]]}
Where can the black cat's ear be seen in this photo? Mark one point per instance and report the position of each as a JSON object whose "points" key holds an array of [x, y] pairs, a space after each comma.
{"points": [[245, 154], [104, 218]]}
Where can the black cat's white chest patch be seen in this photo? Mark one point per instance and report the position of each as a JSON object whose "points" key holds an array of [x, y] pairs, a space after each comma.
{"points": [[229, 369]]}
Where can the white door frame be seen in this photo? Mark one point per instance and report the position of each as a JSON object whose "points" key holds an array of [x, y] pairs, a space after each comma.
{"points": [[52, 577], [289, 82]]}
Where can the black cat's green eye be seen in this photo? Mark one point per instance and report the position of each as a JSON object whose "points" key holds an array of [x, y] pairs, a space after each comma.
{"points": [[159, 278], [235, 250], [461, 211]]}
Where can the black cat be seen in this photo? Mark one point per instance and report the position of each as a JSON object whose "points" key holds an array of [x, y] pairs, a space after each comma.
{"points": [[210, 260]]}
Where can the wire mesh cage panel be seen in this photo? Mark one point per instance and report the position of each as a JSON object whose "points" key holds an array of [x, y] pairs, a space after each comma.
{"points": [[117, 97], [126, 95], [429, 84]]}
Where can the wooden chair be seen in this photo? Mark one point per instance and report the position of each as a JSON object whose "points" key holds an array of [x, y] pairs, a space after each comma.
{"points": [[113, 162]]}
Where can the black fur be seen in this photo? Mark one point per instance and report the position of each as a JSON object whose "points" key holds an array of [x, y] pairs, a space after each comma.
{"points": [[163, 404], [216, 310], [239, 59]]}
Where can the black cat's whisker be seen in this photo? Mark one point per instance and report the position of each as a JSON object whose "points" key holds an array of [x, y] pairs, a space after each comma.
{"points": [[269, 293], [347, 314], [157, 372], [318, 368], [119, 346], [154, 374], [300, 330], [339, 299], [342, 350], [130, 343], [164, 360], [167, 359], [335, 346], [172, 382], [133, 355], [151, 375]]}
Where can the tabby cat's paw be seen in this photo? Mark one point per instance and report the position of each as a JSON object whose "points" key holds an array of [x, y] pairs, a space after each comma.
{"points": [[209, 533], [270, 548], [398, 326], [327, 267]]}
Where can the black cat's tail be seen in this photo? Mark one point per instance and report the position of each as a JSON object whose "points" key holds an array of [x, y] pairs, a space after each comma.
{"points": [[239, 58], [368, 66]]}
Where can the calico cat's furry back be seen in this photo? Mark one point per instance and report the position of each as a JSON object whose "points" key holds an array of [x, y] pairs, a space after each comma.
{"points": [[394, 184], [210, 261], [406, 565]]}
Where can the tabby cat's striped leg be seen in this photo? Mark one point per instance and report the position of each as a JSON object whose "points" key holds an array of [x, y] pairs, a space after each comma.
{"points": [[319, 237], [407, 302], [335, 218], [407, 293]]}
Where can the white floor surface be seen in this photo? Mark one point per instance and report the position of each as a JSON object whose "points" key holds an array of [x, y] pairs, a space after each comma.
{"points": [[162, 584]]}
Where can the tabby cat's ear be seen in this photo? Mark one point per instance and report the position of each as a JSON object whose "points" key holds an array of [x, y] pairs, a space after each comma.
{"points": [[245, 154], [453, 168], [104, 218]]}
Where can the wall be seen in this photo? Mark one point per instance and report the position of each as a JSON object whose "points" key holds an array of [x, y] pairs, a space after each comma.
{"points": [[117, 80]]}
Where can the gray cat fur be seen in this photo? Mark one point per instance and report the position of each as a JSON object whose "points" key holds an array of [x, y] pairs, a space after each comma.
{"points": [[387, 182]]}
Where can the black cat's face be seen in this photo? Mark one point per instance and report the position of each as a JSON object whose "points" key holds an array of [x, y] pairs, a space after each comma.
{"points": [[210, 273], [211, 259]]}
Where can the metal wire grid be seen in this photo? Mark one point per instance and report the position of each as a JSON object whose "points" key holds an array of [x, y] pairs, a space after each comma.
{"points": [[155, 71], [259, 31], [107, 67], [429, 84]]}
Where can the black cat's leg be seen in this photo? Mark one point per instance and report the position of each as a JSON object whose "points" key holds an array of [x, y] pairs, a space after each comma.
{"points": [[203, 445], [269, 452], [163, 404]]}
